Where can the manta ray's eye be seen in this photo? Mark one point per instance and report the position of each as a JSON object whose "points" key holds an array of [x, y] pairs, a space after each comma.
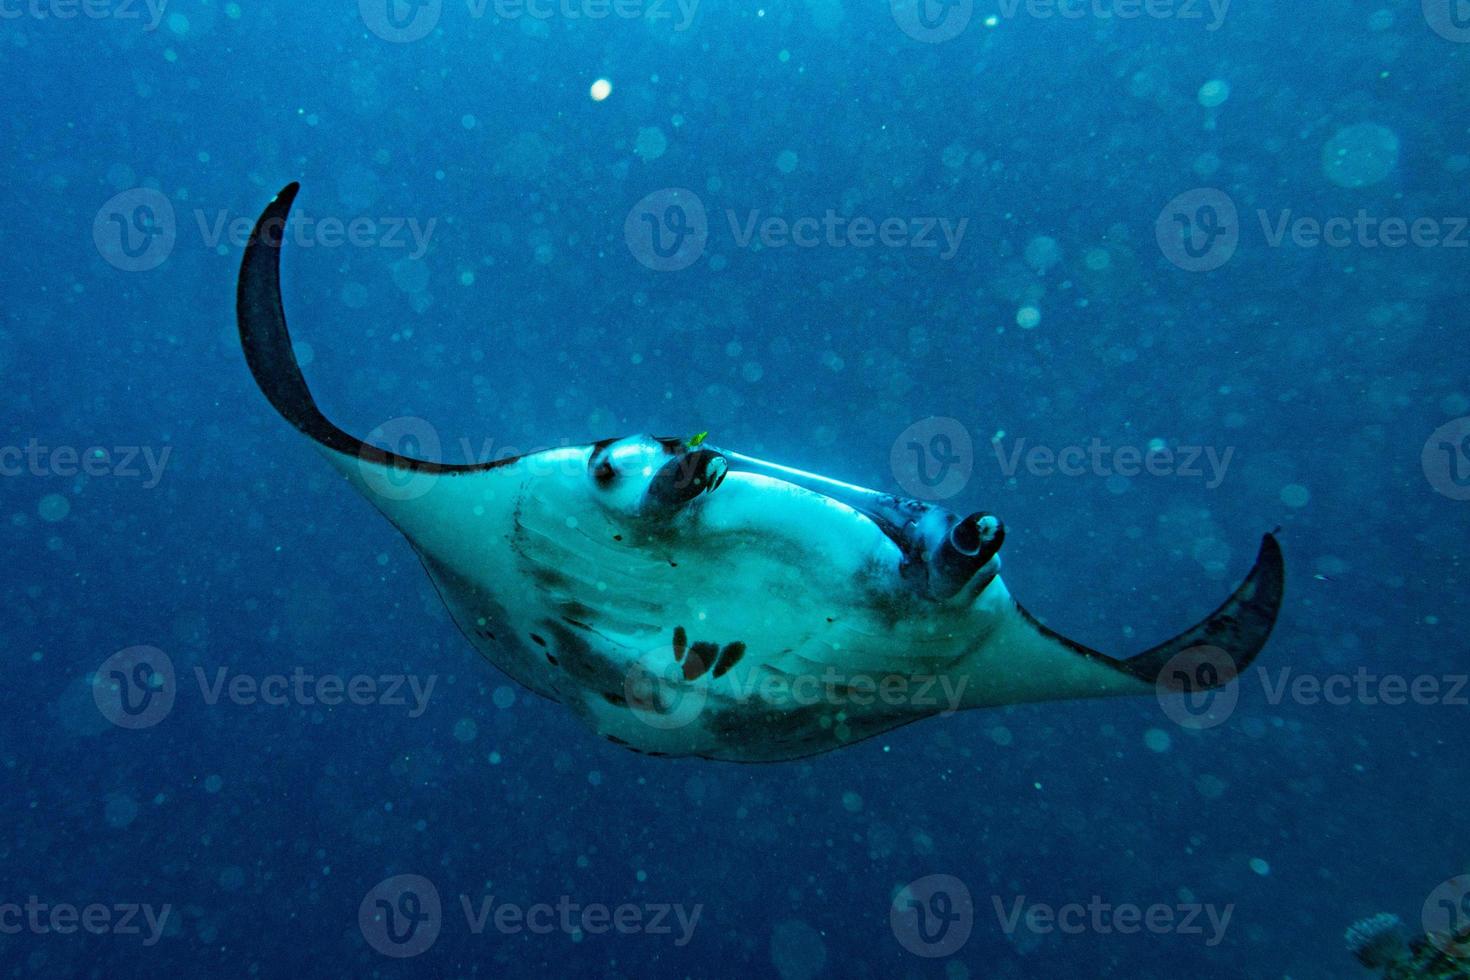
{"points": [[603, 472]]}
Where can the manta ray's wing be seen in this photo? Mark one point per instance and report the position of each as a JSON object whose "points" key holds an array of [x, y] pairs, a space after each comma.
{"points": [[1023, 660]]}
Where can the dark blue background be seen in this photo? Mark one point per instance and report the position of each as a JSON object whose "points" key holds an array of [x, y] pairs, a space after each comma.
{"points": [[1324, 368]]}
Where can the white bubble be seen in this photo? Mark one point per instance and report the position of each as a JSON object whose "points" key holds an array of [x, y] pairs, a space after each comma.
{"points": [[1360, 155], [600, 90], [1028, 318], [1295, 495], [1214, 93], [1043, 252], [53, 507], [651, 144]]}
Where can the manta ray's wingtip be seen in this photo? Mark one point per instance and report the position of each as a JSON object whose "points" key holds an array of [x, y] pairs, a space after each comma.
{"points": [[1235, 632]]}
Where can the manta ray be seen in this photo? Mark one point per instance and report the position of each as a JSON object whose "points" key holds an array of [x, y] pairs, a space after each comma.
{"points": [[685, 600]]}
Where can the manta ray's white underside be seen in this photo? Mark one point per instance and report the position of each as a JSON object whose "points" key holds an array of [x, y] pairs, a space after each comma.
{"points": [[759, 621]]}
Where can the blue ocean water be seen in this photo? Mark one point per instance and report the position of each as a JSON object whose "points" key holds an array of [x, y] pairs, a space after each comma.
{"points": [[1145, 279]]}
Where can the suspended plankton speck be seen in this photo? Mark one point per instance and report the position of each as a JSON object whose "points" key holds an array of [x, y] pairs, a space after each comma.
{"points": [[600, 90], [1028, 317]]}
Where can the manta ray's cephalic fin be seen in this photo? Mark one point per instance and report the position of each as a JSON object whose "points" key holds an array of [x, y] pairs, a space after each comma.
{"points": [[272, 360], [1209, 654]]}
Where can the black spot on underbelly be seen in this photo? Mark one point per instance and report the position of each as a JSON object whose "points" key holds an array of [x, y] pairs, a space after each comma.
{"points": [[729, 657], [702, 656], [616, 700], [681, 643], [540, 642]]}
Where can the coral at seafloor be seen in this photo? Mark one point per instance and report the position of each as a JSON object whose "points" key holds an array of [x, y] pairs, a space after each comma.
{"points": [[1378, 943]]}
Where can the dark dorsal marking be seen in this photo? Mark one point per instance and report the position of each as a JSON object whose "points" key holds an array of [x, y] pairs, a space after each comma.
{"points": [[701, 657], [729, 657], [681, 643]]}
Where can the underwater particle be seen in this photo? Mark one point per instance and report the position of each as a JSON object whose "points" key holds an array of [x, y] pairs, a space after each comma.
{"points": [[1001, 735], [1157, 740], [120, 810], [651, 144], [1214, 93], [178, 24], [1028, 318], [231, 878], [1295, 495], [1360, 155], [595, 778], [797, 950], [852, 802], [1097, 259], [354, 296], [1043, 252], [600, 89], [1206, 165], [305, 353], [786, 161], [493, 758], [410, 275], [53, 507], [467, 121], [1260, 866], [465, 730], [503, 697], [213, 783], [1381, 20], [955, 156], [1210, 787]]}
